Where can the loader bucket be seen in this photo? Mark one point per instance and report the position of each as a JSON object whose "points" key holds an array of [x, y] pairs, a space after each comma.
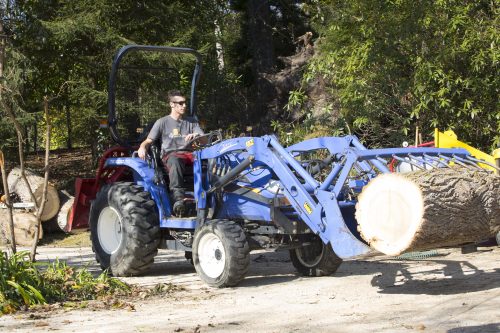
{"points": [[86, 188], [85, 191]]}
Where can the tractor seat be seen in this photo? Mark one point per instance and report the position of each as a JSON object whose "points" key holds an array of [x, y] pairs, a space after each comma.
{"points": [[188, 173]]}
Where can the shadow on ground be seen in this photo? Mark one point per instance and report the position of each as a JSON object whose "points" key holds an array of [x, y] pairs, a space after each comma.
{"points": [[442, 277], [489, 328]]}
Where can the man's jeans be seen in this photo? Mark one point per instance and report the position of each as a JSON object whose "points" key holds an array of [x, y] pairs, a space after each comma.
{"points": [[176, 164]]}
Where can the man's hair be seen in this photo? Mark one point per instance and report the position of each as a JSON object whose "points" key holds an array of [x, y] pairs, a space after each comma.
{"points": [[173, 93]]}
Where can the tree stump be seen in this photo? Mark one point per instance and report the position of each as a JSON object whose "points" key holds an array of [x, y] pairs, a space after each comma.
{"points": [[429, 209], [18, 185]]}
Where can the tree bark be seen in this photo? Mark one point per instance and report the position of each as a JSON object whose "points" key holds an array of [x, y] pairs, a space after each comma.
{"points": [[67, 110], [17, 185], [218, 45], [8, 227], [428, 209], [8, 233], [41, 208]]}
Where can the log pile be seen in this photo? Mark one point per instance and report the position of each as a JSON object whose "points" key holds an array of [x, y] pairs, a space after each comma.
{"points": [[25, 221], [429, 209], [18, 186]]}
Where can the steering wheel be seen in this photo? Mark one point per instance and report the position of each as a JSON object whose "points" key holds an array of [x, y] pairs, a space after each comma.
{"points": [[200, 142]]}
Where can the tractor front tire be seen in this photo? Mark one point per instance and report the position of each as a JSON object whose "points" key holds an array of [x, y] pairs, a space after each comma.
{"points": [[221, 254], [315, 259], [124, 229]]}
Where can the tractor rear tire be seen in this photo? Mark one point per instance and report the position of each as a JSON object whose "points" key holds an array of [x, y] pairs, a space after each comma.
{"points": [[316, 259], [124, 229], [221, 254]]}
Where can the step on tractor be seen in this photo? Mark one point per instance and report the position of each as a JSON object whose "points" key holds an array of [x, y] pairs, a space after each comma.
{"points": [[243, 194]]}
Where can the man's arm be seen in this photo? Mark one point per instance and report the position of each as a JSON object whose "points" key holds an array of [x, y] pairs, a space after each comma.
{"points": [[143, 148], [196, 131], [154, 134]]}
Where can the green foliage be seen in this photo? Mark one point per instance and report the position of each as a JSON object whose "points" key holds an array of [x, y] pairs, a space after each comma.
{"points": [[296, 98], [20, 282], [306, 127], [24, 284], [64, 283], [71, 45], [16, 69], [398, 64], [390, 65]]}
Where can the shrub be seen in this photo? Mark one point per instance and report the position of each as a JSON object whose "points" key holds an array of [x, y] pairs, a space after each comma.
{"points": [[24, 284]]}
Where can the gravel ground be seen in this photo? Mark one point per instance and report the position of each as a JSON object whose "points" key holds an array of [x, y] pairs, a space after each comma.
{"points": [[451, 292]]}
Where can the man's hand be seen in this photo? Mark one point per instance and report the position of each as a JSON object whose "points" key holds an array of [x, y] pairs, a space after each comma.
{"points": [[143, 148], [142, 153], [191, 136]]}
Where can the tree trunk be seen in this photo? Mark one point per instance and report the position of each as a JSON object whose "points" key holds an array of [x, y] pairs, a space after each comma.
{"points": [[10, 231], [218, 45], [67, 110], [429, 209], [261, 43], [18, 186], [8, 220], [45, 187]]}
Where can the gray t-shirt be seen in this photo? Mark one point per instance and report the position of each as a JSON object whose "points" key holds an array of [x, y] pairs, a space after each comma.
{"points": [[173, 132]]}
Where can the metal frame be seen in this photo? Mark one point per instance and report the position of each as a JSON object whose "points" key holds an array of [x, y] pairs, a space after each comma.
{"points": [[112, 121]]}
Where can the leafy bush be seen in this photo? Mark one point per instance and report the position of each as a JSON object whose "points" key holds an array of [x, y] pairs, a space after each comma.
{"points": [[394, 65], [20, 282], [24, 284]]}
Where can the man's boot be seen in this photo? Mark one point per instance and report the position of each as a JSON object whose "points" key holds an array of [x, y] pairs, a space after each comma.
{"points": [[179, 207]]}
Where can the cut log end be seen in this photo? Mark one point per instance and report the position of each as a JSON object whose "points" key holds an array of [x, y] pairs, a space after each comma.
{"points": [[393, 207], [52, 202]]}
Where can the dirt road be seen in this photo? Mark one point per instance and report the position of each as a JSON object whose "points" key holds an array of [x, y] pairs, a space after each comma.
{"points": [[452, 293]]}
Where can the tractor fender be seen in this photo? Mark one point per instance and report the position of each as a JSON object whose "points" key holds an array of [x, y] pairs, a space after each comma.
{"points": [[142, 171], [143, 176]]}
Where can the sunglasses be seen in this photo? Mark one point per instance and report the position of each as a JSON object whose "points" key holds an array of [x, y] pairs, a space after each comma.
{"points": [[179, 103]]}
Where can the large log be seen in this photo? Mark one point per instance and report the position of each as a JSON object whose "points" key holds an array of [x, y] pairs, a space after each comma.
{"points": [[61, 222], [18, 185], [428, 209], [25, 225]]}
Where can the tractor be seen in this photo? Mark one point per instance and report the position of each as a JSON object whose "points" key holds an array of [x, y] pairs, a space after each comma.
{"points": [[244, 193]]}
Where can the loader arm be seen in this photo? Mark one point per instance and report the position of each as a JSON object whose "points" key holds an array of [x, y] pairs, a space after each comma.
{"points": [[318, 203]]}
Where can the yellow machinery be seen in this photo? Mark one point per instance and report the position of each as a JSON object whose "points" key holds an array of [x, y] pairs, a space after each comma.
{"points": [[449, 139]]}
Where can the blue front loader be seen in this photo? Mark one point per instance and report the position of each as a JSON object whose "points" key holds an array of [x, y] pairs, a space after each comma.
{"points": [[301, 198]]}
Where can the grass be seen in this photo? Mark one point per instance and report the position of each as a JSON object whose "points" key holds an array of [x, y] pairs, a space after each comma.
{"points": [[60, 239], [23, 284]]}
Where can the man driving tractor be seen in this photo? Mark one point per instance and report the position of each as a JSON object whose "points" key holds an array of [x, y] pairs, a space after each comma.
{"points": [[175, 131]]}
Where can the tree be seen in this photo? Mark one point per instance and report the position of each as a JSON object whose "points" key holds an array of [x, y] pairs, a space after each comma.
{"points": [[71, 45], [267, 33], [396, 65]]}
